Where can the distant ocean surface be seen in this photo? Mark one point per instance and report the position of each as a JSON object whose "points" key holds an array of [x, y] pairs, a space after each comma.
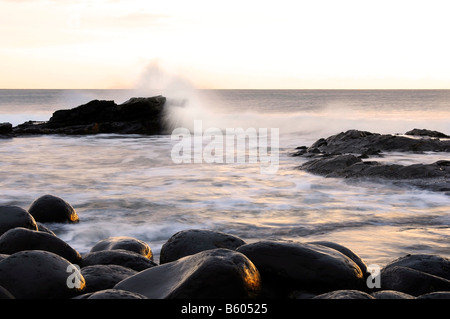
{"points": [[128, 185]]}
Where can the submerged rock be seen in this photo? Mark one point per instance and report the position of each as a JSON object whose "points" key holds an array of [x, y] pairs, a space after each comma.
{"points": [[135, 116], [192, 241], [217, 274], [50, 208]]}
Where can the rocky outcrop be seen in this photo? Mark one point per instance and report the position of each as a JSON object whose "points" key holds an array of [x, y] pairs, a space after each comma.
{"points": [[135, 116], [345, 155]]}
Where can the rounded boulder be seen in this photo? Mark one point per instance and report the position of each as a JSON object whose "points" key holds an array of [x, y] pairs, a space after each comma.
{"points": [[53, 209], [125, 243], [192, 241], [14, 216], [119, 257]]}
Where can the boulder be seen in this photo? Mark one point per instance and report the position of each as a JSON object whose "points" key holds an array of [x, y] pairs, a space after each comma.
{"points": [[347, 252], [44, 229], [14, 216], [391, 294], [411, 281], [111, 294], [36, 274], [119, 257], [50, 208], [189, 242], [5, 294], [100, 277], [125, 243], [344, 294], [432, 264], [286, 267], [217, 274], [19, 239]]}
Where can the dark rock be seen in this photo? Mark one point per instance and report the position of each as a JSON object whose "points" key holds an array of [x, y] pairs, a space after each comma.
{"points": [[5, 128], [100, 277], [189, 242], [19, 239], [49, 208], [411, 281], [119, 257], [125, 243], [436, 295], [391, 294], [135, 116], [13, 216], [425, 132], [111, 294], [347, 252], [44, 229], [285, 267], [431, 264], [345, 294], [3, 256], [217, 274], [5, 294], [36, 274]]}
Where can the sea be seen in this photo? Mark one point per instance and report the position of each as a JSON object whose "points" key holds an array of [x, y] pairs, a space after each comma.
{"points": [[130, 185]]}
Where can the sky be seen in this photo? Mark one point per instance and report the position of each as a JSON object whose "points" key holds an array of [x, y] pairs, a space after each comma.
{"points": [[245, 44]]}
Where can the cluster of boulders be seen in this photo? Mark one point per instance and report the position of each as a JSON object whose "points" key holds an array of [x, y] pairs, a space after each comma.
{"points": [[348, 155], [36, 264], [135, 116]]}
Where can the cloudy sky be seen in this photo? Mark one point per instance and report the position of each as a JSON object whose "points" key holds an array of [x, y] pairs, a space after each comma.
{"points": [[226, 44]]}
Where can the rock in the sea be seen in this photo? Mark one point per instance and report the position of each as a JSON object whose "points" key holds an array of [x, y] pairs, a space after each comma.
{"points": [[391, 294], [119, 257], [101, 277], [432, 264], [14, 216], [19, 239], [411, 281], [192, 241], [111, 294], [5, 128], [135, 116], [50, 208], [37, 274], [344, 294], [425, 132], [285, 267], [125, 243], [212, 274]]}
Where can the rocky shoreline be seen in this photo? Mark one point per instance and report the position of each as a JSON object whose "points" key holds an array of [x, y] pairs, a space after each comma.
{"points": [[350, 155], [196, 264]]}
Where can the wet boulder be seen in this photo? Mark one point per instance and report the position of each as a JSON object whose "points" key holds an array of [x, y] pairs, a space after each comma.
{"points": [[287, 266], [411, 281], [211, 274], [125, 243], [50, 208], [37, 274], [14, 216], [192, 241], [391, 294], [19, 239], [100, 277], [432, 264], [119, 257]]}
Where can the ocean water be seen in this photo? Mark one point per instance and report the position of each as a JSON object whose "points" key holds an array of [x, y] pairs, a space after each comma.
{"points": [[129, 185]]}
